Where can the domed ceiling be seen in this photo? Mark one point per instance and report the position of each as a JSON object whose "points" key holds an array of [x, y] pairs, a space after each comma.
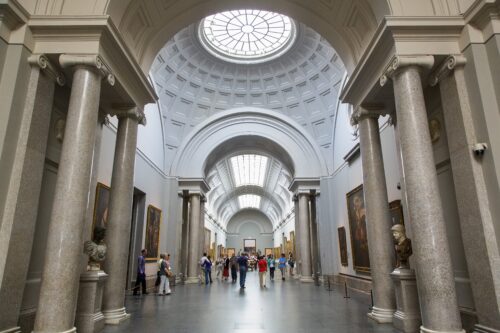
{"points": [[193, 84]]}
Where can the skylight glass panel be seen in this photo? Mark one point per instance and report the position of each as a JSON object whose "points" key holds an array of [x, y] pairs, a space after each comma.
{"points": [[249, 201], [247, 34], [249, 169]]}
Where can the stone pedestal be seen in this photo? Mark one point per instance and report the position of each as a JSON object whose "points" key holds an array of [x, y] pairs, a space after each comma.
{"points": [[89, 318], [407, 316]]}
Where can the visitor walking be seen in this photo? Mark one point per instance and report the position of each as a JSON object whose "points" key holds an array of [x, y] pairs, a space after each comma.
{"points": [[202, 264], [207, 267], [282, 266], [262, 271], [233, 263], [272, 266], [141, 273], [291, 263], [219, 263], [164, 288], [243, 263], [225, 272]]}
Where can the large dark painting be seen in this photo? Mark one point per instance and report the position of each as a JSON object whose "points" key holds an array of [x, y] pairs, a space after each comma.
{"points": [[153, 232], [357, 226], [343, 246], [101, 207]]}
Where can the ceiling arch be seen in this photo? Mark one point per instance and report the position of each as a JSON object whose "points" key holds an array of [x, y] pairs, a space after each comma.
{"points": [[249, 216]]}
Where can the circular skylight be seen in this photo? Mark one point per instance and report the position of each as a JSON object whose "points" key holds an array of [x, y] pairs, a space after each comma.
{"points": [[246, 35]]}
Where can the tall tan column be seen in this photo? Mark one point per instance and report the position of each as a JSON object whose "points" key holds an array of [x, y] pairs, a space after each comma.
{"points": [[23, 191], [298, 260], [120, 216], [476, 223], [60, 277], [381, 246], [194, 251], [314, 235], [305, 237], [436, 284]]}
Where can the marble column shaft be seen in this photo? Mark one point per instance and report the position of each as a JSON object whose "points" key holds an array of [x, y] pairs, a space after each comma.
{"points": [[194, 251], [61, 273], [120, 216], [23, 193], [185, 236], [436, 284], [476, 222], [314, 235], [305, 237], [378, 221], [298, 260]]}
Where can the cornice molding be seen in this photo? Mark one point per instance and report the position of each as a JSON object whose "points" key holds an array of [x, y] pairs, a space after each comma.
{"points": [[299, 185], [41, 61], [446, 67], [401, 36], [194, 185], [13, 14], [94, 35]]}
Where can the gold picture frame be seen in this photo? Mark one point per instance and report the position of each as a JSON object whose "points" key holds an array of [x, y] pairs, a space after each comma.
{"points": [[152, 237], [101, 206], [357, 226]]}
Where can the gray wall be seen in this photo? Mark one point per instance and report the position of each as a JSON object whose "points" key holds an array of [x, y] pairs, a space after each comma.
{"points": [[249, 224]]}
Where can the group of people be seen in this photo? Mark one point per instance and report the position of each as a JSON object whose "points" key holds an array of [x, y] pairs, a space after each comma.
{"points": [[162, 279], [241, 263]]}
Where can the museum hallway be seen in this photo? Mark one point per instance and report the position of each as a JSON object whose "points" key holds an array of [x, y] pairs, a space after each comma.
{"points": [[289, 307]]}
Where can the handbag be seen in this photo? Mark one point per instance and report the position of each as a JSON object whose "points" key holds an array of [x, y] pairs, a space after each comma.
{"points": [[169, 273]]}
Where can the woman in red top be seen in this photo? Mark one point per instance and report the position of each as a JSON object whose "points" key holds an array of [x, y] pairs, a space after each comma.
{"points": [[262, 271]]}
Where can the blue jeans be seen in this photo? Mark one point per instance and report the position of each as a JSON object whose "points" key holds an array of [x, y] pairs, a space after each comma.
{"points": [[208, 278], [243, 275]]}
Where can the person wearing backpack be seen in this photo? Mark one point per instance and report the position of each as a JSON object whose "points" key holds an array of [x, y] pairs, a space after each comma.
{"points": [[282, 266]]}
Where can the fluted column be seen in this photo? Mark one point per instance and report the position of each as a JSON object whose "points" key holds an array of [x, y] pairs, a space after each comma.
{"points": [[476, 221], [380, 243], [305, 237], [60, 277], [436, 284], [120, 215], [194, 251]]}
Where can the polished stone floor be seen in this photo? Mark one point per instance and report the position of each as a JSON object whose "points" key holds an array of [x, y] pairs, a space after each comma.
{"points": [[283, 307]]}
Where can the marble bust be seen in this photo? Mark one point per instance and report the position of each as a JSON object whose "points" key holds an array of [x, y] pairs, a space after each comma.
{"points": [[96, 249], [402, 245]]}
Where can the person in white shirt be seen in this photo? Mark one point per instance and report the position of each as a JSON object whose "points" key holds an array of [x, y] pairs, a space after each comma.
{"points": [[202, 264]]}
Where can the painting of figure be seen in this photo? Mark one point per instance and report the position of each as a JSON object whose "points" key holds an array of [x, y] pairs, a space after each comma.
{"points": [[153, 232], [343, 246], [101, 207], [357, 226], [250, 246]]}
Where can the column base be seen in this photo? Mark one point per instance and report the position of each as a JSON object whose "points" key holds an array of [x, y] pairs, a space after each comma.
{"points": [[115, 317], [381, 316], [406, 323], [483, 329], [192, 280], [16, 329], [427, 330], [71, 330], [306, 279]]}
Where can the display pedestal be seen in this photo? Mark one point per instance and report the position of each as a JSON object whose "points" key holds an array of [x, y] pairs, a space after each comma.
{"points": [[89, 318], [407, 316]]}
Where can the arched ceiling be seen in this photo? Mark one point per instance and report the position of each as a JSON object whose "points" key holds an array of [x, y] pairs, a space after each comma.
{"points": [[193, 85]]}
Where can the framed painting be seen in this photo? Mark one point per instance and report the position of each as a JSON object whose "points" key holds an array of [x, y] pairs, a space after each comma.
{"points": [[231, 251], [152, 243], [101, 206], [268, 251], [292, 238], [207, 240], [250, 246], [357, 226], [343, 246]]}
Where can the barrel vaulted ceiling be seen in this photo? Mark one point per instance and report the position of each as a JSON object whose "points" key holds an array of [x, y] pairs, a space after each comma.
{"points": [[194, 85]]}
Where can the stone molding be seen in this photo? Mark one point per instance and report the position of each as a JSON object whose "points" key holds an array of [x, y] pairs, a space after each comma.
{"points": [[304, 185], [41, 61], [446, 67], [367, 111], [194, 186], [87, 60], [399, 62], [13, 14]]}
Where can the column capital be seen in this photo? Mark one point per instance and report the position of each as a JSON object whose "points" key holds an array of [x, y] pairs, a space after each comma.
{"points": [[367, 111], [41, 61], [399, 62], [446, 67], [89, 60], [129, 112]]}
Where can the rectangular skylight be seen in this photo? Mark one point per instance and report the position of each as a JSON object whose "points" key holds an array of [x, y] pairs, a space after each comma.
{"points": [[249, 201], [249, 169]]}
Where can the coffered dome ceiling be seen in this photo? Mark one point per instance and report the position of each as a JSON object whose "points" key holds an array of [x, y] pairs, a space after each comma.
{"points": [[193, 84]]}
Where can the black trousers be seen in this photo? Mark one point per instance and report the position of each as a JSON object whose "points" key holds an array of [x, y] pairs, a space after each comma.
{"points": [[140, 280], [271, 272], [234, 274]]}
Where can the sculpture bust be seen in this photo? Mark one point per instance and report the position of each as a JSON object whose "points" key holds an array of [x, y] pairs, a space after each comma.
{"points": [[402, 246], [96, 249]]}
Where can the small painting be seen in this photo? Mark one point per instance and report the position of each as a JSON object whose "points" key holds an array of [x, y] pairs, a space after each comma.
{"points": [[101, 206], [268, 251], [250, 246], [153, 232], [357, 226], [231, 251], [343, 246]]}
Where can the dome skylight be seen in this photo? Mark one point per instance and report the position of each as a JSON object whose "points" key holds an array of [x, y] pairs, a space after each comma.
{"points": [[249, 169], [247, 36]]}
